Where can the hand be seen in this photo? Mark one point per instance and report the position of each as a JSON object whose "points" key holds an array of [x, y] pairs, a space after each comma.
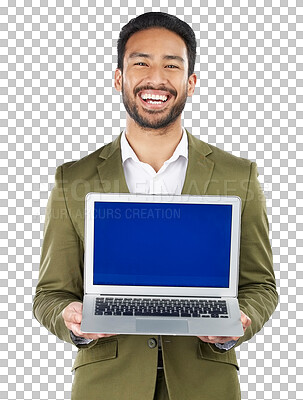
{"points": [[72, 315], [246, 322]]}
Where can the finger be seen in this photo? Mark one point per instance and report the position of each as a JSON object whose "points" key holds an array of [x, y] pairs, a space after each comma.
{"points": [[72, 317], [74, 307], [77, 331], [95, 336], [210, 339], [109, 334], [77, 306], [246, 321], [217, 339], [75, 328], [213, 339], [235, 338], [203, 338], [70, 325]]}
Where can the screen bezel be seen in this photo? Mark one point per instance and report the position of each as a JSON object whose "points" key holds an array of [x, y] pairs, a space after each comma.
{"points": [[89, 286]]}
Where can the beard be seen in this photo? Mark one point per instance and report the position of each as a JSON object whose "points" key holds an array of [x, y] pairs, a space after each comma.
{"points": [[158, 121]]}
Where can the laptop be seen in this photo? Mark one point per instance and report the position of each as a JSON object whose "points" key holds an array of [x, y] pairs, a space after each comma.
{"points": [[161, 264]]}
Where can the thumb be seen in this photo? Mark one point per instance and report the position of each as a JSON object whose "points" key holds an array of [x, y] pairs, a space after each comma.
{"points": [[73, 312], [75, 317], [246, 321], [77, 306]]}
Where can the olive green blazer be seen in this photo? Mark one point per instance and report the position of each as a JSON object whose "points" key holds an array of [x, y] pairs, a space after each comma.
{"points": [[124, 367]]}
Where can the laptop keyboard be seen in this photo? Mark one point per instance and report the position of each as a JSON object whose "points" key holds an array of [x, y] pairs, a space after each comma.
{"points": [[161, 307]]}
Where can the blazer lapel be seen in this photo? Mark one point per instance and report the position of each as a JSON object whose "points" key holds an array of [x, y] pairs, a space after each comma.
{"points": [[199, 168], [111, 169]]}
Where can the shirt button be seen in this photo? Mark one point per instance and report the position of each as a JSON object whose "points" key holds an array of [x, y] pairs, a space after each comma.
{"points": [[152, 343]]}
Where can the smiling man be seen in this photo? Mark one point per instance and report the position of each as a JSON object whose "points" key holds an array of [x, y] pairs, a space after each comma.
{"points": [[154, 154]]}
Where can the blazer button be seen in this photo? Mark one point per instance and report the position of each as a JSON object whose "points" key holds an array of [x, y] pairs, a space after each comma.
{"points": [[152, 343]]}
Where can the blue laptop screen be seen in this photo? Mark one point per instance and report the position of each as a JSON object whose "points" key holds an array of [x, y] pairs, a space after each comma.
{"points": [[152, 244]]}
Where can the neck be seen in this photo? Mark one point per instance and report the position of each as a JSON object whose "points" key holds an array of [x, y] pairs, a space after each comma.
{"points": [[151, 146]]}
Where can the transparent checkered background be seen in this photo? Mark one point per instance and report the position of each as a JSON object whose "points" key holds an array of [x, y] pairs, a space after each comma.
{"points": [[58, 103]]}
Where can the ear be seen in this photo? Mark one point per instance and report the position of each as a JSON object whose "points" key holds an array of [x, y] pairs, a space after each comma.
{"points": [[118, 79], [192, 80]]}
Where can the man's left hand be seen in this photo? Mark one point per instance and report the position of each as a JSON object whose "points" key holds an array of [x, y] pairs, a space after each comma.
{"points": [[246, 322]]}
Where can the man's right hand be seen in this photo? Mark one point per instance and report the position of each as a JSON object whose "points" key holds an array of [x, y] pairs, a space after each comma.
{"points": [[72, 315]]}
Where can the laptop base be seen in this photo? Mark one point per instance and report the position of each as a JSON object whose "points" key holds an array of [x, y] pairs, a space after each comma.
{"points": [[180, 326]]}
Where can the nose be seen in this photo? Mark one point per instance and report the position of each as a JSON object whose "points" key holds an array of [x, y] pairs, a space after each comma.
{"points": [[156, 76]]}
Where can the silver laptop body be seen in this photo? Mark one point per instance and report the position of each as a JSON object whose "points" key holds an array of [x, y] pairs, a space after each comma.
{"points": [[155, 249]]}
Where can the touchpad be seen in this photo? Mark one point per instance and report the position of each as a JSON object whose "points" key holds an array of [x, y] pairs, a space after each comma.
{"points": [[159, 326]]}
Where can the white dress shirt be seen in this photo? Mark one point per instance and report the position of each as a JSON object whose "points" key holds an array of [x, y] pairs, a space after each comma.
{"points": [[142, 178]]}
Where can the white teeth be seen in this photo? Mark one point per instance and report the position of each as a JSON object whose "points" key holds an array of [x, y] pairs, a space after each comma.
{"points": [[146, 96], [154, 102]]}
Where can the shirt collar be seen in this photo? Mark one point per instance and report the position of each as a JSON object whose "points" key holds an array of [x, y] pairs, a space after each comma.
{"points": [[181, 150]]}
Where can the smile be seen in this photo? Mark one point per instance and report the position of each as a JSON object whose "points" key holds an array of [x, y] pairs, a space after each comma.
{"points": [[154, 98], [154, 101]]}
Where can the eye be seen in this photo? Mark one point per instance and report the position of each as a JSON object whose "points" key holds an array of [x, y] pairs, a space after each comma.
{"points": [[172, 66], [140, 63]]}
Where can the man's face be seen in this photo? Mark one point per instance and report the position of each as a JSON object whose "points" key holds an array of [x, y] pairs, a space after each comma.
{"points": [[155, 82]]}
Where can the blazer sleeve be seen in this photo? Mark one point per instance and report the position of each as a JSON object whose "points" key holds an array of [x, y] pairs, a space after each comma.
{"points": [[61, 267], [257, 295]]}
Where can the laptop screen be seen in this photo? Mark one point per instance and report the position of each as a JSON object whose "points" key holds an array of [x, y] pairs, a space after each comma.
{"points": [[162, 244]]}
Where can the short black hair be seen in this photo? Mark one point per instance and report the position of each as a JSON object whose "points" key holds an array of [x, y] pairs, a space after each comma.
{"points": [[158, 20]]}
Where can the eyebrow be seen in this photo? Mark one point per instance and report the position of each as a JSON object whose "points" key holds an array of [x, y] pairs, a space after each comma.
{"points": [[167, 57]]}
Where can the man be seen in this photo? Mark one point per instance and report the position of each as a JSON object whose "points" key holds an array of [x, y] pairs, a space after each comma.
{"points": [[154, 154]]}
